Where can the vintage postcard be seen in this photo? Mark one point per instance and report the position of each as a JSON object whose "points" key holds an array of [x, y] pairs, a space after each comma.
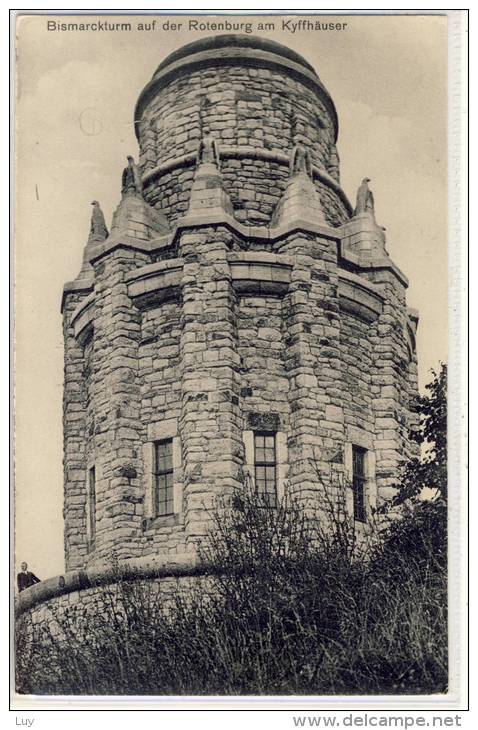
{"points": [[233, 471]]}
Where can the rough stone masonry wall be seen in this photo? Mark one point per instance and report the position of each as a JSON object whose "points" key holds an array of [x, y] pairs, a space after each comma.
{"points": [[210, 422], [210, 362], [312, 324], [160, 382], [256, 108], [73, 609], [117, 438], [261, 348], [356, 354], [393, 384], [75, 402]]}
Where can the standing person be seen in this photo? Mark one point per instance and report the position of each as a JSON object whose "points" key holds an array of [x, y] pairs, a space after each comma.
{"points": [[25, 579]]}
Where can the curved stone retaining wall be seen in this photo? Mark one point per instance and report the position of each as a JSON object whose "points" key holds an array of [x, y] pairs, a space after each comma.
{"points": [[47, 601]]}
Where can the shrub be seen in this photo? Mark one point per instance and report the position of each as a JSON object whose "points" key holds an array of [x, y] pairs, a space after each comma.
{"points": [[293, 604]]}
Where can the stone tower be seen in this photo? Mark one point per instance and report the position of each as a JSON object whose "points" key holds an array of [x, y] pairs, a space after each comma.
{"points": [[239, 317]]}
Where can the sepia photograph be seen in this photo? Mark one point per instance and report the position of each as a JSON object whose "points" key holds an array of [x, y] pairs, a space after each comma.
{"points": [[231, 357]]}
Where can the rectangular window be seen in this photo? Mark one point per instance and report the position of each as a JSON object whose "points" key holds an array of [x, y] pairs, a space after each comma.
{"points": [[265, 467], [163, 476], [92, 506], [358, 482]]}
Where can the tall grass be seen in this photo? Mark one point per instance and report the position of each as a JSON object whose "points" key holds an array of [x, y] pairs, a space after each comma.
{"points": [[293, 605]]}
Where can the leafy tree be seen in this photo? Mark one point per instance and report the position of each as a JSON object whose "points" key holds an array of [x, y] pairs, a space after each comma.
{"points": [[430, 468]]}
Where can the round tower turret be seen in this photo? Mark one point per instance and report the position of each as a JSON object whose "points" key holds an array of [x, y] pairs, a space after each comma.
{"points": [[259, 100]]}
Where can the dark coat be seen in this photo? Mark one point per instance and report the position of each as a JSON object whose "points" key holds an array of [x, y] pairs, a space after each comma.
{"points": [[26, 579]]}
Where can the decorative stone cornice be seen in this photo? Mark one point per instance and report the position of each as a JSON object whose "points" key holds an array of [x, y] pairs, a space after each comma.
{"points": [[359, 297], [83, 315], [259, 234], [348, 258], [413, 316], [120, 240], [153, 284], [258, 272], [78, 285], [252, 272]]}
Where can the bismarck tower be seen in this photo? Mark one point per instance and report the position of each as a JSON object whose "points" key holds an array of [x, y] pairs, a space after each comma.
{"points": [[239, 316]]}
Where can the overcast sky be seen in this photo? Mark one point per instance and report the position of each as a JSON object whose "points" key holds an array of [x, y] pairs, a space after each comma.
{"points": [[75, 98]]}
